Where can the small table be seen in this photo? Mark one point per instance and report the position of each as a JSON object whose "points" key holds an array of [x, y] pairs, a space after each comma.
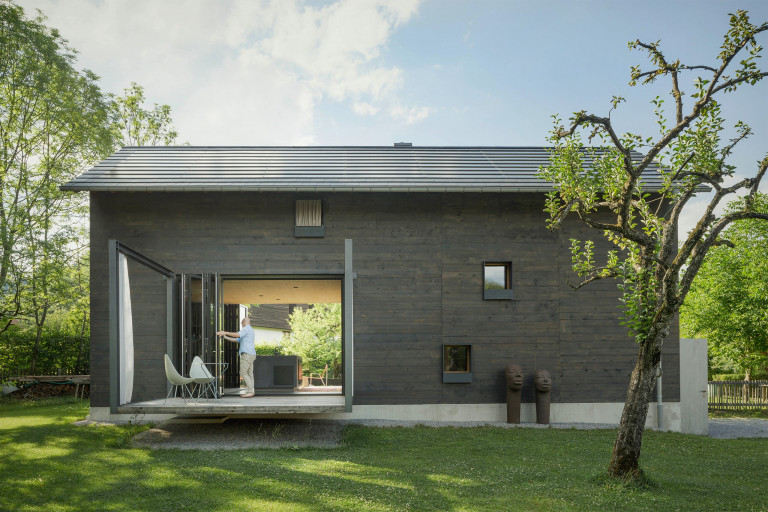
{"points": [[218, 371]]}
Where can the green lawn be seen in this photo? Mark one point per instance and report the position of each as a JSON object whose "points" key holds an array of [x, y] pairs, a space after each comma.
{"points": [[48, 464], [761, 414]]}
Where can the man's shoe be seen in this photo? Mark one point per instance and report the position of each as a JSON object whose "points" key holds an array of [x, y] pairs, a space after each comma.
{"points": [[247, 395]]}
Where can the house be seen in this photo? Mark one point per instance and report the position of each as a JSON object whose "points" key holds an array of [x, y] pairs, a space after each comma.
{"points": [[440, 257], [270, 322]]}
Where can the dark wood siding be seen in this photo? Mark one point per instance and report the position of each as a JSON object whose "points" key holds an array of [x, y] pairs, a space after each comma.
{"points": [[418, 258]]}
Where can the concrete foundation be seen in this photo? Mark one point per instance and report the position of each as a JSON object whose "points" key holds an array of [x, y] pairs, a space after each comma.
{"points": [[603, 413]]}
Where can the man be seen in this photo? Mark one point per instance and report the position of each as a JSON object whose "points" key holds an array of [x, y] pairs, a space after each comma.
{"points": [[246, 337]]}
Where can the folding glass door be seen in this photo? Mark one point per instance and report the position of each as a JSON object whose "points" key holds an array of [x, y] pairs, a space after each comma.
{"points": [[200, 317]]}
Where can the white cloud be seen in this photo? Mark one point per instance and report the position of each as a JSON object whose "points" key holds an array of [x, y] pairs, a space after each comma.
{"points": [[242, 71], [365, 109], [410, 115], [249, 101]]}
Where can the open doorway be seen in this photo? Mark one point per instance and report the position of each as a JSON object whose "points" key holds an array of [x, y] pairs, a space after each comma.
{"points": [[175, 317], [297, 324]]}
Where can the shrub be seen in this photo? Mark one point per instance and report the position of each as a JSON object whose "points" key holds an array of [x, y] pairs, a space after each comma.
{"points": [[269, 349]]}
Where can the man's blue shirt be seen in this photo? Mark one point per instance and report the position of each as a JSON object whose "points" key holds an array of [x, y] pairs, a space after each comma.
{"points": [[247, 339]]}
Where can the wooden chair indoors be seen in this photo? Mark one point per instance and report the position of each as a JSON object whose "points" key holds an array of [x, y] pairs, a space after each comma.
{"points": [[322, 377]]}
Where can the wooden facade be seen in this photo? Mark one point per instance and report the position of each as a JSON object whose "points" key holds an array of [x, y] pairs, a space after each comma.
{"points": [[419, 263]]}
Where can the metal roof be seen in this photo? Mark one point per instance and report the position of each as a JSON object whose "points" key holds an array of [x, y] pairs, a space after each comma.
{"points": [[324, 169]]}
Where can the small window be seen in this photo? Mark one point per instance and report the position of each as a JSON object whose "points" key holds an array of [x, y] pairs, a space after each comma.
{"points": [[457, 360], [497, 280], [309, 218]]}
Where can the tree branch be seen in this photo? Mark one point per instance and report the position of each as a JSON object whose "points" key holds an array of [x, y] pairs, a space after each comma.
{"points": [[677, 175], [701, 249], [634, 235], [736, 81], [756, 182], [583, 118], [562, 213], [596, 275], [705, 98], [664, 67]]}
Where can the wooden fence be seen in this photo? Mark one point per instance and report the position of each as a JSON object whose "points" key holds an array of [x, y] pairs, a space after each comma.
{"points": [[737, 394]]}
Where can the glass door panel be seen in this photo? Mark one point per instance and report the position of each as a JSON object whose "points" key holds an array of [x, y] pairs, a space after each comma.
{"points": [[212, 349], [200, 318], [191, 319]]}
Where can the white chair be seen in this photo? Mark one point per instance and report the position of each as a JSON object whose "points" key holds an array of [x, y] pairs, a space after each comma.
{"points": [[176, 380], [202, 378]]}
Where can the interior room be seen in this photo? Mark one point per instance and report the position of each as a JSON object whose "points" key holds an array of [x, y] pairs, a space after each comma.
{"points": [[297, 325]]}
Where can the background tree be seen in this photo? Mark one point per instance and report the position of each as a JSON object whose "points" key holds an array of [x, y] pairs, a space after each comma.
{"points": [[53, 121], [316, 337], [728, 301], [134, 125], [608, 195]]}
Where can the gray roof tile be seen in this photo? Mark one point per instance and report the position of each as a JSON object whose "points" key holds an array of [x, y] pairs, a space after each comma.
{"points": [[323, 169]]}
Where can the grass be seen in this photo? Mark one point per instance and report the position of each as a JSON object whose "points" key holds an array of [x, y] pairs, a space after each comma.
{"points": [[739, 413], [48, 464]]}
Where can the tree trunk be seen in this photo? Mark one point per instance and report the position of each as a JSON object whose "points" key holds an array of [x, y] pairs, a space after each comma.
{"points": [[35, 351], [626, 449], [39, 321]]}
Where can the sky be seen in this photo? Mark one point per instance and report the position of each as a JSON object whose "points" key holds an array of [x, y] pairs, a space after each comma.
{"points": [[375, 72]]}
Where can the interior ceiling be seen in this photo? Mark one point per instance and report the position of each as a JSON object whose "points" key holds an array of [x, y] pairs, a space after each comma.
{"points": [[278, 291]]}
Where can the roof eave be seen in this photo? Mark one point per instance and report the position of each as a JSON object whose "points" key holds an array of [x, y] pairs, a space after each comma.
{"points": [[408, 189]]}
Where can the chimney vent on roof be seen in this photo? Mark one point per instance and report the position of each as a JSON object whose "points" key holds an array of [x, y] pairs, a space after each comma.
{"points": [[403, 145]]}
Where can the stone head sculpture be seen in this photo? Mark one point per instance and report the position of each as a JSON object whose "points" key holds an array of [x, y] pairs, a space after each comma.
{"points": [[542, 380], [514, 376]]}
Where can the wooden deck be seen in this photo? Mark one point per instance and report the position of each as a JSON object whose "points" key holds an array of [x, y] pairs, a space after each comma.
{"points": [[294, 403]]}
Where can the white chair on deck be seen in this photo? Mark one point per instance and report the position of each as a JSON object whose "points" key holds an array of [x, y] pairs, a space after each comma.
{"points": [[202, 378], [176, 380]]}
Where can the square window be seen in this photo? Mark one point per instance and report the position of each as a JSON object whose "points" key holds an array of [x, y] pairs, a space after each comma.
{"points": [[457, 360], [309, 212], [497, 280], [309, 218], [496, 276]]}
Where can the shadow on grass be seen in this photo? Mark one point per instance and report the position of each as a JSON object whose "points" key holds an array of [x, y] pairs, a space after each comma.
{"points": [[56, 465]]}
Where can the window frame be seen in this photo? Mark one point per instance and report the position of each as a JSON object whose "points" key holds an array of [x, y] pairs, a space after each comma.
{"points": [[505, 293], [317, 231], [457, 376]]}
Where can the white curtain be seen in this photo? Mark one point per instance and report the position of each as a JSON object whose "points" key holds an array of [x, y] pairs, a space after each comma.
{"points": [[126, 334], [309, 212]]}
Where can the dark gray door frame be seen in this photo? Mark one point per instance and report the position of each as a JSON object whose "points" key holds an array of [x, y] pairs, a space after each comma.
{"points": [[348, 328], [114, 250]]}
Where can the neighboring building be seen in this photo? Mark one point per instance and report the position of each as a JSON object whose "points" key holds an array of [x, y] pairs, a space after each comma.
{"points": [[440, 256], [270, 322]]}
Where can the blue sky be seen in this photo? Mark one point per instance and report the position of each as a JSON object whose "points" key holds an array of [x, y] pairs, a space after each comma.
{"points": [[370, 72]]}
